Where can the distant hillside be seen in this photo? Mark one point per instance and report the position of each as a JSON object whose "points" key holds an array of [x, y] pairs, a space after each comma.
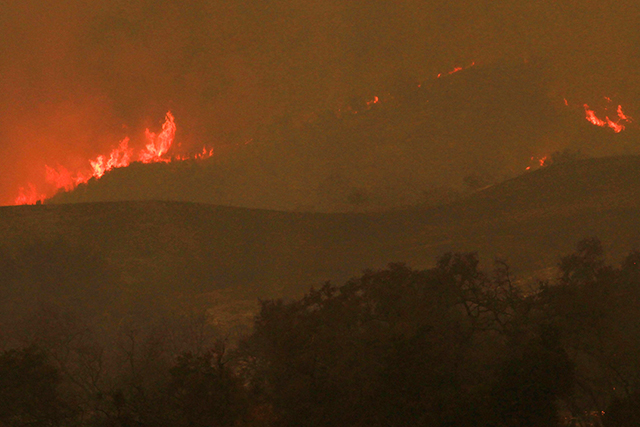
{"points": [[533, 219], [530, 220], [118, 258], [485, 121]]}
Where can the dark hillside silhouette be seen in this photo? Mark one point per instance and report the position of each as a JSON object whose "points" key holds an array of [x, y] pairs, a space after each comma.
{"points": [[461, 343], [529, 220]]}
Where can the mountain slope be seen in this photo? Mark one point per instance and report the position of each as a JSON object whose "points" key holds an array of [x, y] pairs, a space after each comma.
{"points": [[530, 220], [485, 121]]}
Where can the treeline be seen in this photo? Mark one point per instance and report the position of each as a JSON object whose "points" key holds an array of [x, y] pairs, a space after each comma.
{"points": [[453, 345]]}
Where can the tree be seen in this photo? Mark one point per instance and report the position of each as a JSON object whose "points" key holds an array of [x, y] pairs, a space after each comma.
{"points": [[529, 384], [204, 391], [29, 390], [595, 307], [401, 347]]}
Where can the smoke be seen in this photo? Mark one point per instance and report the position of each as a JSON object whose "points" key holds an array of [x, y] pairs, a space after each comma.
{"points": [[76, 77]]}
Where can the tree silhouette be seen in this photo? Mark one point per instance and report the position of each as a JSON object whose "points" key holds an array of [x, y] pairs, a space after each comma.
{"points": [[29, 390]]}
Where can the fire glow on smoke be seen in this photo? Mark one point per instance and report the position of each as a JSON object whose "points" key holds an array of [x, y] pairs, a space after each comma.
{"points": [[158, 145], [155, 151]]}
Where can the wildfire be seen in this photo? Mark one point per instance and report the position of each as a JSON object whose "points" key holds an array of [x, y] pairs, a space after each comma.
{"points": [[204, 154], [375, 100], [119, 157], [455, 70], [29, 196], [158, 145], [541, 161], [155, 151], [621, 115], [616, 125]]}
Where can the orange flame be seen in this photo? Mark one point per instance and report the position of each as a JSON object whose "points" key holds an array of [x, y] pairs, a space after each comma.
{"points": [[29, 196], [375, 100], [621, 115], [539, 162], [204, 154], [158, 145], [62, 178], [119, 157], [155, 151], [615, 125], [456, 69], [591, 116]]}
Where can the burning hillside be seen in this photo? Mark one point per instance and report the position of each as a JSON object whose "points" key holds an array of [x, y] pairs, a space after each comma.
{"points": [[386, 148], [156, 150]]}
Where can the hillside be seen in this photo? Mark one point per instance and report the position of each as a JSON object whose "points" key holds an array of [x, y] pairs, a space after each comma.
{"points": [[491, 122], [530, 220], [533, 219]]}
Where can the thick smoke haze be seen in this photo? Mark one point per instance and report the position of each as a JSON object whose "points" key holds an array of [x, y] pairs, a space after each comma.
{"points": [[76, 77]]}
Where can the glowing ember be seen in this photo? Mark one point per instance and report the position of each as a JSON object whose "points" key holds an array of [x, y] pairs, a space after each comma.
{"points": [[155, 151], [375, 100], [540, 162], [204, 154]]}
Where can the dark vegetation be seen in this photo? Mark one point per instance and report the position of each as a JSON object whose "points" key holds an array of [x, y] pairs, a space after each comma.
{"points": [[454, 344], [168, 246], [144, 313]]}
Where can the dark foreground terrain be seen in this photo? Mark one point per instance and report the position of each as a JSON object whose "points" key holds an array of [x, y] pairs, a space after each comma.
{"points": [[529, 221], [449, 345], [146, 313]]}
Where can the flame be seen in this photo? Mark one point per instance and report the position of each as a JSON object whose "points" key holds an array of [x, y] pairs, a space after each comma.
{"points": [[204, 154], [615, 125], [539, 162], [375, 100], [119, 157], [591, 116], [62, 178], [456, 69], [621, 115], [158, 145], [155, 151], [29, 196]]}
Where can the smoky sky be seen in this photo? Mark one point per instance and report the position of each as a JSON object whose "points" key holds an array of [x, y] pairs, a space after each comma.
{"points": [[77, 76]]}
